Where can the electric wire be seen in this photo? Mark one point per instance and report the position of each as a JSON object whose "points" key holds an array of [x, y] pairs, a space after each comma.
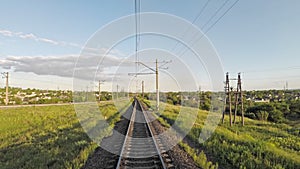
{"points": [[211, 26], [195, 19]]}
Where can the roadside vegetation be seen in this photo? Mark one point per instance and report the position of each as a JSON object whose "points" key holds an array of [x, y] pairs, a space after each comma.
{"points": [[279, 106], [259, 144], [46, 137]]}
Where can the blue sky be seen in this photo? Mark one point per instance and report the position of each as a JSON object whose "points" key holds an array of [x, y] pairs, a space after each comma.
{"points": [[258, 38]]}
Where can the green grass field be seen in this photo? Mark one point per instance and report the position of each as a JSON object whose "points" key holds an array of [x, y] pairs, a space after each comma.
{"points": [[46, 137], [52, 137], [256, 145]]}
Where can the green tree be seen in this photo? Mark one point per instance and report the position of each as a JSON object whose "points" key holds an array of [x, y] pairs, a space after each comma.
{"points": [[294, 110], [262, 115], [276, 116], [259, 110]]}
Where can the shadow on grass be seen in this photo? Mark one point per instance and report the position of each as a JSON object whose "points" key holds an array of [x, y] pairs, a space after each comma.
{"points": [[104, 156], [56, 149]]}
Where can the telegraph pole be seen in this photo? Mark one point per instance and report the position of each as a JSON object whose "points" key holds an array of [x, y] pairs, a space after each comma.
{"points": [[226, 95], [117, 90], [157, 90], [236, 94], [143, 88], [227, 100], [199, 95], [5, 75], [241, 97], [99, 88], [153, 71], [230, 108], [87, 92], [238, 99]]}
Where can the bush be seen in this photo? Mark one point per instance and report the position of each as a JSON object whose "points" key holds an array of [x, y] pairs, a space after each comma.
{"points": [[276, 116], [262, 115], [251, 115]]}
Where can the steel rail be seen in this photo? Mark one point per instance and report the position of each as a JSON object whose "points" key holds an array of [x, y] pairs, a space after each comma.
{"points": [[127, 133], [152, 136]]}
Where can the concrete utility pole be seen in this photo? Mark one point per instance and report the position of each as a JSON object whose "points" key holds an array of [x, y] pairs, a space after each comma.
{"points": [[5, 75], [99, 88], [87, 93], [143, 88], [157, 90], [154, 71], [117, 91], [6, 98], [199, 95]]}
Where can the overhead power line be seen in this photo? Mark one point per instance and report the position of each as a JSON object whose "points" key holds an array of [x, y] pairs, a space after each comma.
{"points": [[216, 12], [272, 69], [209, 20], [137, 35], [221, 16], [281, 78], [194, 20], [214, 23]]}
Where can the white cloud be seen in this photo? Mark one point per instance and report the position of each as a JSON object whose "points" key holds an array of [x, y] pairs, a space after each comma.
{"points": [[64, 65], [32, 36], [28, 36], [6, 33], [49, 41]]}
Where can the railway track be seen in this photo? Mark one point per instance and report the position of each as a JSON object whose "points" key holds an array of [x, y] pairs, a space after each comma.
{"points": [[140, 148], [133, 139]]}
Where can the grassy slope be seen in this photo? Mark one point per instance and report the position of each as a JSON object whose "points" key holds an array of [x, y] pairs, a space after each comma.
{"points": [[38, 137], [256, 145]]}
